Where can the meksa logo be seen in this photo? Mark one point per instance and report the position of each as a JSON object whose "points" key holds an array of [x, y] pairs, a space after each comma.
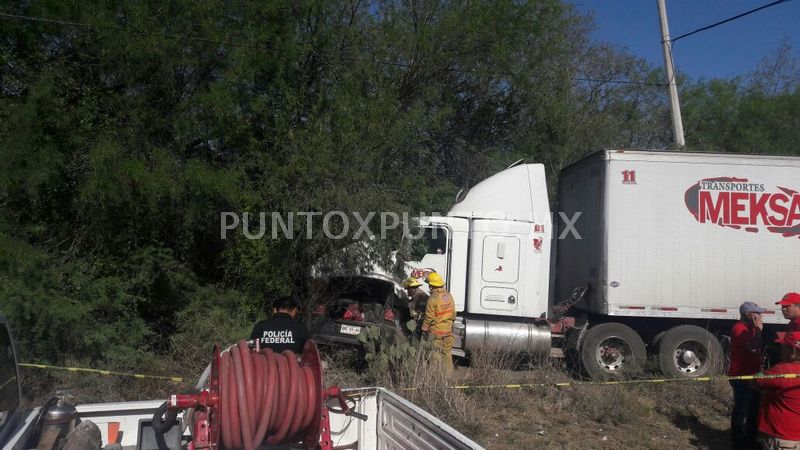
{"points": [[737, 203]]}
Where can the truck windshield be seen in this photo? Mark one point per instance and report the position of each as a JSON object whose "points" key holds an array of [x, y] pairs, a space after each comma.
{"points": [[9, 393], [431, 241]]}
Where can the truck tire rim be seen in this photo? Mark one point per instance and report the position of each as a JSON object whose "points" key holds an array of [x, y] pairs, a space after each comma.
{"points": [[611, 353], [690, 356]]}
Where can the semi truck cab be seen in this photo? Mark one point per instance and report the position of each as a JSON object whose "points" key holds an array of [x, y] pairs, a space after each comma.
{"points": [[494, 246], [494, 249]]}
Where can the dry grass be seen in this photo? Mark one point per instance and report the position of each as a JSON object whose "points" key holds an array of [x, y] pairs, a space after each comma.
{"points": [[39, 385], [651, 416], [656, 416], [187, 358]]}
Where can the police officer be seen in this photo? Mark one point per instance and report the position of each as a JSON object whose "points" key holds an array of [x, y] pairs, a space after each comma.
{"points": [[440, 314], [283, 331]]}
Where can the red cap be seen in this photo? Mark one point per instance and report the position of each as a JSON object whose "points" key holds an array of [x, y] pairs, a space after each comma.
{"points": [[790, 338], [789, 299]]}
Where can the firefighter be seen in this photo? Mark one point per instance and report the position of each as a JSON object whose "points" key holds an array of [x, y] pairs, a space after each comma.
{"points": [[438, 322], [418, 298]]}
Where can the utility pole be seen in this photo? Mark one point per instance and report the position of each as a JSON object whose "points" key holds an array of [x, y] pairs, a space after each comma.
{"points": [[675, 107]]}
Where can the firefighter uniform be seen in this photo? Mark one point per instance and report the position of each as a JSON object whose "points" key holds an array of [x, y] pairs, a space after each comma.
{"points": [[417, 304], [439, 316], [419, 301]]}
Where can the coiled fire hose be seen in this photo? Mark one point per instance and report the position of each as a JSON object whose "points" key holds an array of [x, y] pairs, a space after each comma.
{"points": [[264, 395], [255, 397]]}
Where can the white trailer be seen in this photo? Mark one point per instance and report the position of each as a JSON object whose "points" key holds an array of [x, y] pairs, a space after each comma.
{"points": [[681, 235], [655, 249], [673, 242]]}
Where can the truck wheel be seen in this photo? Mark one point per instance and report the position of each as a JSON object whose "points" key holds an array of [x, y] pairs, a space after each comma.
{"points": [[611, 350], [689, 351]]}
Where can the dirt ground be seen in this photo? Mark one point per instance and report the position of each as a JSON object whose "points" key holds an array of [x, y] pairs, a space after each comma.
{"points": [[680, 415], [669, 415], [676, 416], [686, 415]]}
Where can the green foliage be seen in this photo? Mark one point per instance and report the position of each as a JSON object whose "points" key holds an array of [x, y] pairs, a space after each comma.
{"points": [[758, 114], [393, 360], [120, 149], [727, 115], [32, 295]]}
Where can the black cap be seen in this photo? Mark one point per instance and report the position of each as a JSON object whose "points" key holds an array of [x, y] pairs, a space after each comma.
{"points": [[285, 303]]}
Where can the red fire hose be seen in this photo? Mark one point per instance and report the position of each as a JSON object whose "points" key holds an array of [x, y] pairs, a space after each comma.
{"points": [[265, 395], [256, 397]]}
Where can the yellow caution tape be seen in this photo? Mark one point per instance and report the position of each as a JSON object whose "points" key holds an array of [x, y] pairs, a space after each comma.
{"points": [[586, 383], [102, 372], [461, 386]]}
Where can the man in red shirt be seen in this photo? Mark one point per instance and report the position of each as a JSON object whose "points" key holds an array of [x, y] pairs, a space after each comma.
{"points": [[779, 416], [745, 353], [790, 307]]}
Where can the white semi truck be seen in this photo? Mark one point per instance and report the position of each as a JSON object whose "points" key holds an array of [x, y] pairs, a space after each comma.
{"points": [[655, 250]]}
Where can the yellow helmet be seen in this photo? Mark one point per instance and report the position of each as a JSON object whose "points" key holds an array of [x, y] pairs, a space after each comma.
{"points": [[411, 282], [435, 280]]}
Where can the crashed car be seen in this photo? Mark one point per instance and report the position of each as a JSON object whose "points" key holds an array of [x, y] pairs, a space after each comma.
{"points": [[353, 303], [354, 300]]}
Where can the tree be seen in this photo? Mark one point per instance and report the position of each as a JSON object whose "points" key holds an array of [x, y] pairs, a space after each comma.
{"points": [[128, 128], [755, 114]]}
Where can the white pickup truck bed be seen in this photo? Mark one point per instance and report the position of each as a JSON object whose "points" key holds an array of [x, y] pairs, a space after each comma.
{"points": [[393, 423]]}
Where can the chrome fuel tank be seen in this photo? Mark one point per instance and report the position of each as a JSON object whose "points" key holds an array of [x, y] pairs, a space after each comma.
{"points": [[511, 337]]}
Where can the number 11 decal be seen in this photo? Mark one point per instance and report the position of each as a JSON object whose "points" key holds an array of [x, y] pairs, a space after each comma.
{"points": [[628, 177]]}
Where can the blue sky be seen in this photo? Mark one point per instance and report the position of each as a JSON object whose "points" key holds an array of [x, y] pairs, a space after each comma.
{"points": [[734, 48]]}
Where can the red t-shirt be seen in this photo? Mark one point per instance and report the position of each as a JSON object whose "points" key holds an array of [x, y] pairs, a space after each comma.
{"points": [[779, 413], [745, 349], [793, 325]]}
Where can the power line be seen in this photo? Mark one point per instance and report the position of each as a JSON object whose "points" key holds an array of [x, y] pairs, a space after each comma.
{"points": [[716, 24], [729, 19], [237, 44]]}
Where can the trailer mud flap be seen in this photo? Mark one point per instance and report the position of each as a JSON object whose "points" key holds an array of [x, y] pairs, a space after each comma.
{"points": [[403, 425], [574, 341]]}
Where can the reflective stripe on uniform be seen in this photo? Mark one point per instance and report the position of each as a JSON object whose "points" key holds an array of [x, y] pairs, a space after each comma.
{"points": [[440, 313]]}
